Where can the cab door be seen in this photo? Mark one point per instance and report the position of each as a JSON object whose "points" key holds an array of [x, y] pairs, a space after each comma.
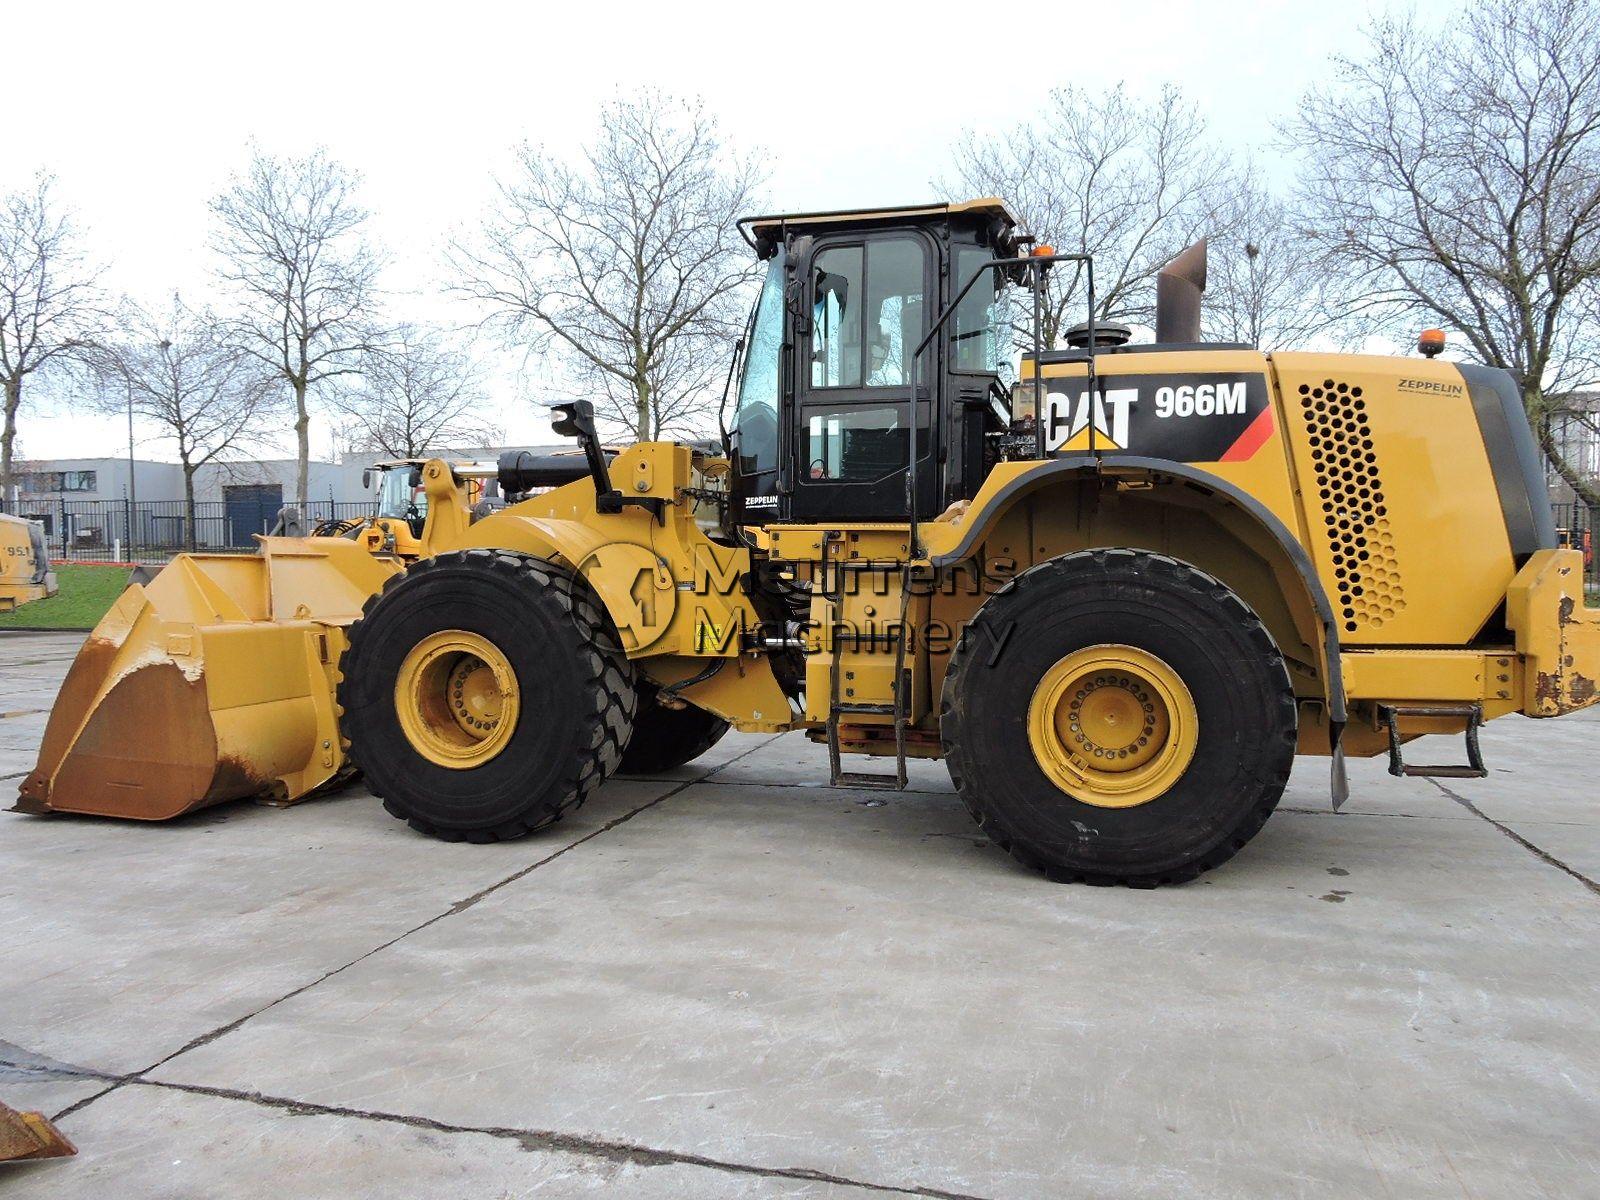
{"points": [[867, 301]]}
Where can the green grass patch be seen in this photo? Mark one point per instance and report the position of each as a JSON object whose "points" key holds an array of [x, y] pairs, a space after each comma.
{"points": [[87, 590]]}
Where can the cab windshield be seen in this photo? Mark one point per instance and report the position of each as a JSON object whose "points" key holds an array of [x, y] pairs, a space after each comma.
{"points": [[756, 419], [397, 497]]}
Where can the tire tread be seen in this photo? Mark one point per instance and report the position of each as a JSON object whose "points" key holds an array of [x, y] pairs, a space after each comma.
{"points": [[1183, 578], [609, 686]]}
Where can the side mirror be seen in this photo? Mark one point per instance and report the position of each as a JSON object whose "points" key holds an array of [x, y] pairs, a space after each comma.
{"points": [[794, 301], [366, 480], [574, 419], [794, 292]]}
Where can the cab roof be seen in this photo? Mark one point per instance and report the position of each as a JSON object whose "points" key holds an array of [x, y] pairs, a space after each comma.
{"points": [[771, 227]]}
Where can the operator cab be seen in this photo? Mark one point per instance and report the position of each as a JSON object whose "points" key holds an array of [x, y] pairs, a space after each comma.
{"points": [[401, 496], [821, 428]]}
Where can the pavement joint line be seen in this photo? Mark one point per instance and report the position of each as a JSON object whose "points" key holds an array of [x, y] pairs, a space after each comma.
{"points": [[1538, 852], [532, 1140], [459, 906], [1347, 812]]}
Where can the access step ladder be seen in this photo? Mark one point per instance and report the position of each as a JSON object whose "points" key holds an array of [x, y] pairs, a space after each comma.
{"points": [[837, 707], [1472, 769]]}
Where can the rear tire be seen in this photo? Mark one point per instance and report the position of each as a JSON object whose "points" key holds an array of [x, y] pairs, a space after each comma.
{"points": [[664, 738], [1034, 777], [569, 703]]}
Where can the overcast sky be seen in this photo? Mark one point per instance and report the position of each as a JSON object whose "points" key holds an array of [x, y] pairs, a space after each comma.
{"points": [[142, 110]]}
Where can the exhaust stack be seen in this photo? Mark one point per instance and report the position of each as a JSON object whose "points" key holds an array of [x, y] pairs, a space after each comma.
{"points": [[1178, 290]]}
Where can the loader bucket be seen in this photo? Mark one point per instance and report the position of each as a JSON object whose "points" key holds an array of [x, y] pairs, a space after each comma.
{"points": [[30, 1135], [212, 682]]}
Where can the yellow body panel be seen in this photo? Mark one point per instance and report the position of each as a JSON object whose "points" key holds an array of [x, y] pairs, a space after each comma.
{"points": [[1436, 561], [1558, 635], [744, 690], [1490, 677], [1440, 561], [669, 588]]}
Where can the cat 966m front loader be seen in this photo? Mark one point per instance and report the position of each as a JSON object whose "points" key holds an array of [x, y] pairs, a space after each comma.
{"points": [[1116, 586]]}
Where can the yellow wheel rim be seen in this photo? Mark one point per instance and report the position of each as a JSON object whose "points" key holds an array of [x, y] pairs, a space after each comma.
{"points": [[457, 699], [1112, 726]]}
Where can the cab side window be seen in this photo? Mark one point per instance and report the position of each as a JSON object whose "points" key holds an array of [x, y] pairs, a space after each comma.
{"points": [[868, 313], [838, 277], [978, 330]]}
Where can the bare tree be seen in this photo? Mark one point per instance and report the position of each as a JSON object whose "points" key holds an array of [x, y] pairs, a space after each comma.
{"points": [[1264, 285], [418, 394], [302, 275], [626, 262], [1455, 176], [50, 303], [179, 371], [1574, 429], [1131, 183]]}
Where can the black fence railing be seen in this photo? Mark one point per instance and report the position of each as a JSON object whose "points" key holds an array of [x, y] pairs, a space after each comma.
{"points": [[1576, 525], [153, 531]]}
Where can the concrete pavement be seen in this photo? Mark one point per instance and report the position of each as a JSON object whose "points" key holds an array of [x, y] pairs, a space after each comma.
{"points": [[736, 982]]}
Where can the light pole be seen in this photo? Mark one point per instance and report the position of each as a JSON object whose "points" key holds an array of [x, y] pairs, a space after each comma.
{"points": [[133, 488], [163, 345]]}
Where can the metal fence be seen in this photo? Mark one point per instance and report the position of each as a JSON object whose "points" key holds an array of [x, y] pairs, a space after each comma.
{"points": [[1576, 527], [153, 531]]}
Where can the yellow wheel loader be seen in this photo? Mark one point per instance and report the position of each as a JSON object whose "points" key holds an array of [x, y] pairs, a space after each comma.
{"points": [[1118, 593], [400, 514], [25, 572]]}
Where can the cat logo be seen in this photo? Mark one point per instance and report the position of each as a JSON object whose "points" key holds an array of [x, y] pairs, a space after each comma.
{"points": [[1189, 417], [1068, 420]]}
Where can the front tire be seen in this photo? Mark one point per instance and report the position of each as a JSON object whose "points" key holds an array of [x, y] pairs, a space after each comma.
{"points": [[485, 694], [1115, 716]]}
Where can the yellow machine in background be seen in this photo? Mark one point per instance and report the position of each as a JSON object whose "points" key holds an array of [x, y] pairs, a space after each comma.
{"points": [[25, 572], [1118, 593], [400, 513]]}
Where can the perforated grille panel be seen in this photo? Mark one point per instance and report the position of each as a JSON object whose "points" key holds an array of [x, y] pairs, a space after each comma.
{"points": [[1351, 493]]}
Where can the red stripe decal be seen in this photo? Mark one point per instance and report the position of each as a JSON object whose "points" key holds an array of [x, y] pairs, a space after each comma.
{"points": [[1252, 439]]}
